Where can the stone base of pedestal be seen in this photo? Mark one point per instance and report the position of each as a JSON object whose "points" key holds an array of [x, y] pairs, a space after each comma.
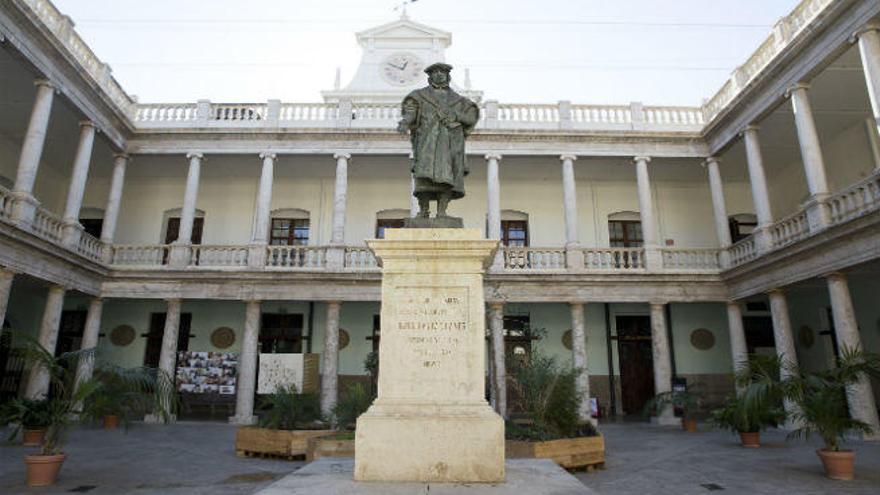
{"points": [[524, 477], [424, 443]]}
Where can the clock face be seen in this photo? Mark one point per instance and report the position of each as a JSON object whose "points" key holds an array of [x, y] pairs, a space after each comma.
{"points": [[402, 69]]}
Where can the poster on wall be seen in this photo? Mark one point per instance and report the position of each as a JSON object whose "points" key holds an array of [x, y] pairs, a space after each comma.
{"points": [[280, 370], [206, 372]]}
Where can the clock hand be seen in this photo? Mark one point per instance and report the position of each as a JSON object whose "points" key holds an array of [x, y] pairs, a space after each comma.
{"points": [[396, 67], [404, 65]]}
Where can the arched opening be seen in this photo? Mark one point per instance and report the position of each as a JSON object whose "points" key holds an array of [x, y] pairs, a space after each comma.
{"points": [[625, 229], [289, 227]]}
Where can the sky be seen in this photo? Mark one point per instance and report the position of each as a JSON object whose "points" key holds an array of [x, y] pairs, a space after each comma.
{"points": [[672, 52]]}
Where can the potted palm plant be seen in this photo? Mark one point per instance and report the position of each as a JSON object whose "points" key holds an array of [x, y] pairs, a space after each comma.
{"points": [[687, 401], [31, 417], [822, 407], [747, 419], [123, 393]]}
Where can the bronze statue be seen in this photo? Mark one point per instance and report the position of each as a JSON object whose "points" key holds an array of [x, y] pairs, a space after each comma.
{"points": [[439, 120]]}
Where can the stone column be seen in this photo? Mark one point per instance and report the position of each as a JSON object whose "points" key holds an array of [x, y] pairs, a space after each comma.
{"points": [[653, 257], [719, 208], [180, 253], [111, 213], [493, 211], [72, 229], [869, 49], [573, 255], [499, 385], [336, 255], [262, 213], [579, 361], [38, 379], [85, 367], [247, 367], [6, 277], [739, 352], [859, 395], [662, 361], [330, 368], [818, 214], [784, 339], [760, 194], [31, 152], [168, 354]]}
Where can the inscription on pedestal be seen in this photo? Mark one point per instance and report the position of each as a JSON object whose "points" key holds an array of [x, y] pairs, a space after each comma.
{"points": [[432, 322]]}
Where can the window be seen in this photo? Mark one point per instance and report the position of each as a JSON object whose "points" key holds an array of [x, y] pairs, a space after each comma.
{"points": [[741, 226], [515, 233], [290, 232], [387, 223], [625, 233]]}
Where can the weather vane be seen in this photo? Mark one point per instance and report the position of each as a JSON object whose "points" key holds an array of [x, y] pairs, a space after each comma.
{"points": [[402, 7]]}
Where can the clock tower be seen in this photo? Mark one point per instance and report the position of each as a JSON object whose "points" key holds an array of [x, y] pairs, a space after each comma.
{"points": [[392, 64]]}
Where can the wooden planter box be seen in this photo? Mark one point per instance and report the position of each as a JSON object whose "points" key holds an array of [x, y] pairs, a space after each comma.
{"points": [[570, 453], [251, 441], [329, 447]]}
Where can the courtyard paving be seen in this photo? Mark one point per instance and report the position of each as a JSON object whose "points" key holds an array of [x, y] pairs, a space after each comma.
{"points": [[199, 458]]}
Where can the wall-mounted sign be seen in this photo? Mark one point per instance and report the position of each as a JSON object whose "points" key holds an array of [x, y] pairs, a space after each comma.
{"points": [[206, 372]]}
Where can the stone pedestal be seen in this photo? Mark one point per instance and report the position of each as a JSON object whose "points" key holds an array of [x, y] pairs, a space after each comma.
{"points": [[430, 421]]}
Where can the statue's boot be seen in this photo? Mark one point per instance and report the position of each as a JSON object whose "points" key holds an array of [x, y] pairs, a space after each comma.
{"points": [[442, 204], [424, 208]]}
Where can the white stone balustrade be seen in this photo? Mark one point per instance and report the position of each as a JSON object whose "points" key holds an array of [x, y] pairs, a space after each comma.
{"points": [[89, 246], [530, 258], [296, 257], [47, 225], [212, 256], [308, 113], [139, 255], [789, 229], [360, 258], [6, 203], [691, 259], [857, 199], [743, 251], [614, 258]]}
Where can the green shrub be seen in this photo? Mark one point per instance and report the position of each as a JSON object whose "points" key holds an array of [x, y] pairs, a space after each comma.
{"points": [[738, 416], [26, 414], [288, 410], [354, 402]]}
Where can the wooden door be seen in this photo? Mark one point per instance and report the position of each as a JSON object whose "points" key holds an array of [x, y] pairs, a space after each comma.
{"points": [[157, 330], [636, 362], [70, 333], [517, 349]]}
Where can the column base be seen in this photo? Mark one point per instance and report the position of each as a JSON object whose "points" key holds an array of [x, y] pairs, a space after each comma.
{"points": [[257, 256], [155, 419], [665, 420], [71, 233], [179, 256], [763, 241], [574, 257], [336, 257], [414, 443], [24, 208], [818, 214], [243, 420], [653, 258]]}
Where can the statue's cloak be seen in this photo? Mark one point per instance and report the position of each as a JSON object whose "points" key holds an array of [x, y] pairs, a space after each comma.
{"points": [[439, 162]]}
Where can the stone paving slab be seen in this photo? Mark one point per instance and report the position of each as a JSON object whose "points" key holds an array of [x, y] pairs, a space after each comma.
{"points": [[522, 477]]}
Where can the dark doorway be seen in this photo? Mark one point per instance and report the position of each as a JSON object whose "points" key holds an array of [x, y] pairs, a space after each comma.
{"points": [[154, 337], [281, 333], [70, 333], [636, 362], [92, 226], [11, 366], [759, 332], [517, 349], [172, 231]]}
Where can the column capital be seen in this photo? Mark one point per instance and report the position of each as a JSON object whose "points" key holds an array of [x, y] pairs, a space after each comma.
{"points": [[195, 154], [341, 154], [734, 302], [750, 128], [834, 275], [640, 158], [268, 154], [493, 156], [44, 82], [121, 156], [779, 291], [656, 303], [710, 160], [86, 123], [867, 28], [496, 305], [577, 303], [796, 87], [174, 300], [253, 301], [568, 156]]}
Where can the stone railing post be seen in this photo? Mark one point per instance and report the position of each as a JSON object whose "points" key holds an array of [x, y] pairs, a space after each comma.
{"points": [[564, 107], [203, 112], [273, 113], [491, 110], [344, 114]]}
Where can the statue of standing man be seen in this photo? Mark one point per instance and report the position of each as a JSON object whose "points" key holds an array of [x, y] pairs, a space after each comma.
{"points": [[439, 120]]}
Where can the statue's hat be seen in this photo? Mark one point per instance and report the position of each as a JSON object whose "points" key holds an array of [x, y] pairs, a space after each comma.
{"points": [[438, 66]]}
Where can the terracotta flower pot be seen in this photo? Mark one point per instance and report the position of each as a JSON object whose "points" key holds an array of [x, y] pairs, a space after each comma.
{"points": [[32, 438], [838, 465], [42, 470], [689, 424], [111, 422], [750, 439]]}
